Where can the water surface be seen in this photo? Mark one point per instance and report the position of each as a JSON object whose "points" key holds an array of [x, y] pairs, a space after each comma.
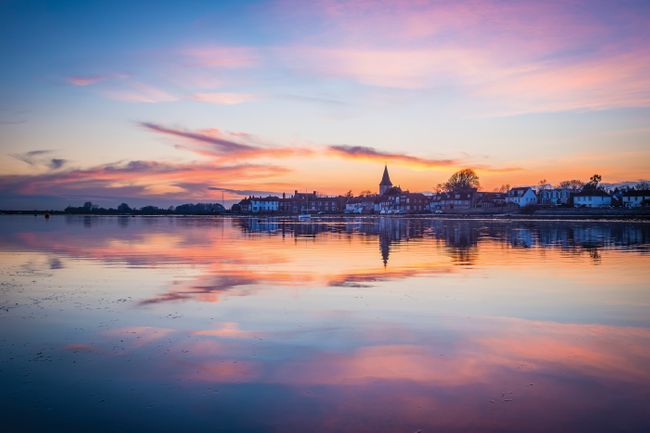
{"points": [[333, 325]]}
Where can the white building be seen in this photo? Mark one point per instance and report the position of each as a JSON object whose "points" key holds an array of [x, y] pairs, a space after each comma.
{"points": [[522, 196], [636, 198], [360, 205], [554, 197], [592, 199], [264, 204]]}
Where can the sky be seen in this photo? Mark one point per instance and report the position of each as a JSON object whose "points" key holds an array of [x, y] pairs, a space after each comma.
{"points": [[165, 103]]}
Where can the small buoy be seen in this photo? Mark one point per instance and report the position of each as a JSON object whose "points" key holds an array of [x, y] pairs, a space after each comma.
{"points": [[47, 215]]}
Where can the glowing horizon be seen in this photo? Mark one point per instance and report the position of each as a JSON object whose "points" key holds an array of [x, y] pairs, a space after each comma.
{"points": [[186, 103]]}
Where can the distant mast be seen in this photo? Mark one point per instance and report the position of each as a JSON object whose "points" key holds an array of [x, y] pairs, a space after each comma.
{"points": [[385, 183]]}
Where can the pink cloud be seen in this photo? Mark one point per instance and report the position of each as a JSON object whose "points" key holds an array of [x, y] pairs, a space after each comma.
{"points": [[139, 92], [223, 56], [87, 80], [224, 98], [215, 143], [370, 153], [505, 57], [227, 330]]}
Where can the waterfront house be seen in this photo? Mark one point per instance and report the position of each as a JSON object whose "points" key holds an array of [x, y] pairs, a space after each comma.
{"points": [[554, 196], [636, 198], [490, 200], [361, 205], [521, 196], [270, 204], [245, 205], [457, 200], [396, 202], [597, 198]]}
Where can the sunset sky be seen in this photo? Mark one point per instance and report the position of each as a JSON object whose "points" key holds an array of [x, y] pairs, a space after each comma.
{"points": [[160, 103]]}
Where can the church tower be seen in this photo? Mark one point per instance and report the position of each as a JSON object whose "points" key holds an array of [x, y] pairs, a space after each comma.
{"points": [[385, 183]]}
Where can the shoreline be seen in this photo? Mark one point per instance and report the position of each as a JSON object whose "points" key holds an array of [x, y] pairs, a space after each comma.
{"points": [[625, 215]]}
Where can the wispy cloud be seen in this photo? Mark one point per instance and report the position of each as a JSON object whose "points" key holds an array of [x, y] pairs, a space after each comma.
{"points": [[222, 56], [87, 80], [139, 92], [40, 157], [372, 154], [243, 192], [56, 163], [140, 179], [31, 157], [224, 98], [220, 144]]}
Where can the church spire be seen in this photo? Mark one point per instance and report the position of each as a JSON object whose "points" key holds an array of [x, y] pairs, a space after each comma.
{"points": [[385, 183]]}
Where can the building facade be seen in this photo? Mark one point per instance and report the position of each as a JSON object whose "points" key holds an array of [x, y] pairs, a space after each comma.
{"points": [[634, 199], [554, 196], [522, 196], [592, 199]]}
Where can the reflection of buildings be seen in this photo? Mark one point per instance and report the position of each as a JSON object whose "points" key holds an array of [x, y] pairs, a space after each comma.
{"points": [[462, 237]]}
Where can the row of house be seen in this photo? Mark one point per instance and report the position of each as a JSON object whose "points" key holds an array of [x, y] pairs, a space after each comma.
{"points": [[392, 200], [298, 203], [598, 198]]}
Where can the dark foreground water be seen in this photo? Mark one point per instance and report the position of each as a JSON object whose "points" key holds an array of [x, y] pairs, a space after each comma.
{"points": [[344, 325]]}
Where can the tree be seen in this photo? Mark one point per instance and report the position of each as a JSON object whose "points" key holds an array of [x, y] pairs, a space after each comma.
{"points": [[124, 208], [365, 193], [462, 180], [643, 185], [573, 184], [349, 194], [592, 185], [543, 184], [503, 188]]}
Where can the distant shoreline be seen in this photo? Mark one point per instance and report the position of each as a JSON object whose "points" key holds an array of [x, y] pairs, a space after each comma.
{"points": [[567, 214]]}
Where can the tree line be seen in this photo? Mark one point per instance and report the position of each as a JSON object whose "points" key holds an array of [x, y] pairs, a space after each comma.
{"points": [[125, 209]]}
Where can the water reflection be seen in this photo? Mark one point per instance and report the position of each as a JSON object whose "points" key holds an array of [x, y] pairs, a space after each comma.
{"points": [[349, 325]]}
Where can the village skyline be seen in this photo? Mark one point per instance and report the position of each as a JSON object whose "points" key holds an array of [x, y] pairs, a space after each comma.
{"points": [[230, 98], [461, 192]]}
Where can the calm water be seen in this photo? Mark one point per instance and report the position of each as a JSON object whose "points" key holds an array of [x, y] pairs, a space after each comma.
{"points": [[341, 325]]}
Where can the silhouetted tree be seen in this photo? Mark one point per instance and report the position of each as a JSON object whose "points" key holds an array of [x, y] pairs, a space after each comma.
{"points": [[592, 185], [124, 208], [573, 184], [543, 184], [462, 180]]}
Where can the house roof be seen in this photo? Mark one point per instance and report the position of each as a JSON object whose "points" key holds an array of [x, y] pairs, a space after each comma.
{"points": [[385, 179], [597, 193], [637, 193], [268, 198], [518, 191]]}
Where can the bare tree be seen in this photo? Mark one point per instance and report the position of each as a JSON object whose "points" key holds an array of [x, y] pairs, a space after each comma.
{"points": [[573, 184], [462, 180]]}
